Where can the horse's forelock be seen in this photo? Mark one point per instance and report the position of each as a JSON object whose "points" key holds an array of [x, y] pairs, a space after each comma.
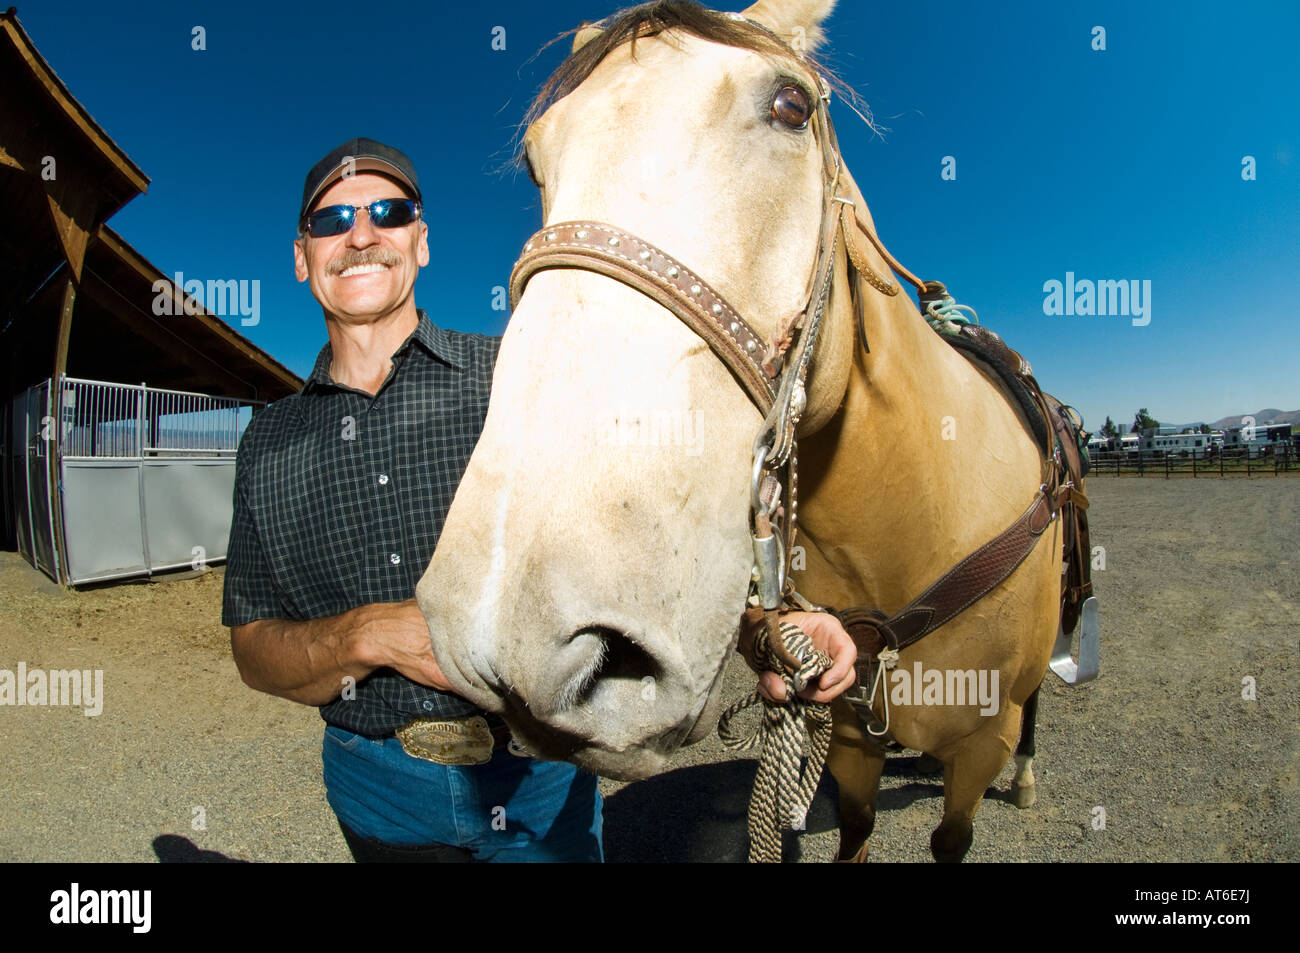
{"points": [[650, 19]]}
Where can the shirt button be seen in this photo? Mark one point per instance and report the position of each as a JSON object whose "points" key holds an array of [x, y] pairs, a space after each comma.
{"points": [[428, 705], [394, 559], [383, 479]]}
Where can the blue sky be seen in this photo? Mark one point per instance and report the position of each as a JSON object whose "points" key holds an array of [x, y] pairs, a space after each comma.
{"points": [[1118, 164]]}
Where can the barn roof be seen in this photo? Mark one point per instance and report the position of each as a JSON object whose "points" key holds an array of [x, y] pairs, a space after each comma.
{"points": [[75, 297]]}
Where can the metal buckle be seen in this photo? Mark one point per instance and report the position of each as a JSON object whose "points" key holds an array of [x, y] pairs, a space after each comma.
{"points": [[858, 696], [450, 741]]}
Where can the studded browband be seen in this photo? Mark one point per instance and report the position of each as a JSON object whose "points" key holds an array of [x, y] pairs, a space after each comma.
{"points": [[594, 246], [617, 254]]}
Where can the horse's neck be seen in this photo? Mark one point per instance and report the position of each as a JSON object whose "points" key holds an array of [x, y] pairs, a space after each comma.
{"points": [[924, 463]]}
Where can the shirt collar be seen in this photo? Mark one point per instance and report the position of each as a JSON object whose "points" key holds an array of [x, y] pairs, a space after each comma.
{"points": [[437, 341]]}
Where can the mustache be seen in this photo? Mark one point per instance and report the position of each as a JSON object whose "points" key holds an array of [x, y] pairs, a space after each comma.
{"points": [[355, 257]]}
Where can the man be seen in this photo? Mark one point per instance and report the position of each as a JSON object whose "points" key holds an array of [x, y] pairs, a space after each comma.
{"points": [[341, 491]]}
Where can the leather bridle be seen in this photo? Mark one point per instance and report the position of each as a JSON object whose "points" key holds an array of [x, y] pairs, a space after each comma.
{"points": [[774, 374]]}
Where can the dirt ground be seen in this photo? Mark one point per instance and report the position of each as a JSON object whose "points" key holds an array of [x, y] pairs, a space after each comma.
{"points": [[1200, 591]]}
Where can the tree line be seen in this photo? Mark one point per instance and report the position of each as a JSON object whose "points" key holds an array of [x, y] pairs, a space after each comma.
{"points": [[1141, 421]]}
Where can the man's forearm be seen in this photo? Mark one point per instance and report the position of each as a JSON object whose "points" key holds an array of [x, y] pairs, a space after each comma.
{"points": [[303, 661], [307, 661]]}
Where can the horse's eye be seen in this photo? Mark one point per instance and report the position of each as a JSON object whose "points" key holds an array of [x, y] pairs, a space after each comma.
{"points": [[792, 107]]}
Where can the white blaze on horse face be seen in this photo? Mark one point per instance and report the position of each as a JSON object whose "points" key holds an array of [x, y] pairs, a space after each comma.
{"points": [[480, 645], [573, 565]]}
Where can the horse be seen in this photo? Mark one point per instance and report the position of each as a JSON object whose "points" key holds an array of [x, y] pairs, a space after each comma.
{"points": [[593, 568]]}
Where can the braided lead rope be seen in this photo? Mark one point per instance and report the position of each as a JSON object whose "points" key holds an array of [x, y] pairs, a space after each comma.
{"points": [[782, 793]]}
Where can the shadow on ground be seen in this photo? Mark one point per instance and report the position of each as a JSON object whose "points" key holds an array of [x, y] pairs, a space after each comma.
{"points": [[697, 814], [174, 849]]}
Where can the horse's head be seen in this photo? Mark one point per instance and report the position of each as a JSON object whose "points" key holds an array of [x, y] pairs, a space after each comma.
{"points": [[591, 573]]}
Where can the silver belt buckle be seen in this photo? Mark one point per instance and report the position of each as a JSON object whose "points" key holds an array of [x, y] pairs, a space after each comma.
{"points": [[449, 741]]}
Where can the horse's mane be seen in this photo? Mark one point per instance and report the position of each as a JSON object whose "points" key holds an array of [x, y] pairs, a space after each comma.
{"points": [[649, 19]]}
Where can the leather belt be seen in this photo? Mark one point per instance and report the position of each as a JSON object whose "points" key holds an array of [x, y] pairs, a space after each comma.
{"points": [[454, 741]]}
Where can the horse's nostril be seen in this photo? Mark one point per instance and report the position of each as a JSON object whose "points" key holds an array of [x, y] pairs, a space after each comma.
{"points": [[625, 659], [614, 657]]}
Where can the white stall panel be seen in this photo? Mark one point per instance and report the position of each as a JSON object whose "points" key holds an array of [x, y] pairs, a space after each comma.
{"points": [[101, 519], [188, 505]]}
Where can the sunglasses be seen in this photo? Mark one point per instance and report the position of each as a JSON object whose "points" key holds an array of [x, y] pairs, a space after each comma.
{"points": [[337, 219]]}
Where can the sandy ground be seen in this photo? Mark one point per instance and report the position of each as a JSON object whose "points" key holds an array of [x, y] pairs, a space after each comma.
{"points": [[1200, 591]]}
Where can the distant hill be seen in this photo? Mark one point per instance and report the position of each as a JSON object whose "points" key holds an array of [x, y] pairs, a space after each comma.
{"points": [[1269, 415]]}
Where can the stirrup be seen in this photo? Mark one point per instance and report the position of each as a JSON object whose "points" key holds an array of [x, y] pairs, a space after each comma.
{"points": [[1089, 663]]}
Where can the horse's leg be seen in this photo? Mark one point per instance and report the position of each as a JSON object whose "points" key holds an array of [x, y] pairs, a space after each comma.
{"points": [[968, 770], [856, 761], [1022, 786]]}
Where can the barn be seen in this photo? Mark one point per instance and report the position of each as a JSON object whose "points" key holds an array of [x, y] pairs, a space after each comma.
{"points": [[121, 424]]}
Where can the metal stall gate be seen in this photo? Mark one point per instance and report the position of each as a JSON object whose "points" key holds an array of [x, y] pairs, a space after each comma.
{"points": [[32, 444], [145, 477]]}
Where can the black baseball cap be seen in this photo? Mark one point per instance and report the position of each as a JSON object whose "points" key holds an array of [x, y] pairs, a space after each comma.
{"points": [[357, 155]]}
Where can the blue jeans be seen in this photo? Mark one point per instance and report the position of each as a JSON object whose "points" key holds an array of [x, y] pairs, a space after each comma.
{"points": [[510, 809]]}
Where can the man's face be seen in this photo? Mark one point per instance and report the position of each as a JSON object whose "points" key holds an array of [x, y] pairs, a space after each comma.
{"points": [[342, 268]]}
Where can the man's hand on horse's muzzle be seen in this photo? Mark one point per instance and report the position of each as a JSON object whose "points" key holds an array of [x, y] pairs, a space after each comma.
{"points": [[828, 635], [399, 639]]}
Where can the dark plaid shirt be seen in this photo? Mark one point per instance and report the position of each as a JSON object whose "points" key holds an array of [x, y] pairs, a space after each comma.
{"points": [[340, 498]]}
